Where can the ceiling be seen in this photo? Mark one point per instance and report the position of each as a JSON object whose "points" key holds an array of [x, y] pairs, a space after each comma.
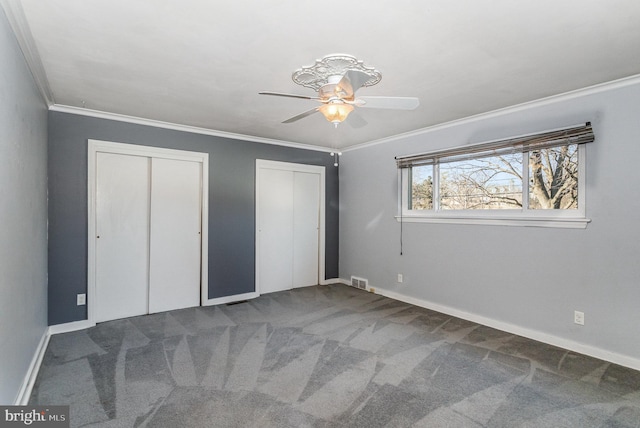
{"points": [[201, 63]]}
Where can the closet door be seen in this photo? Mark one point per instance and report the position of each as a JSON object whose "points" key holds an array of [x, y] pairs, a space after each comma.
{"points": [[288, 228], [122, 235], [276, 230], [175, 240], [306, 225]]}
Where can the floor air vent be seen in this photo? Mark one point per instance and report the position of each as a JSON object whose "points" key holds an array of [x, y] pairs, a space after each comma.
{"points": [[237, 303], [359, 282]]}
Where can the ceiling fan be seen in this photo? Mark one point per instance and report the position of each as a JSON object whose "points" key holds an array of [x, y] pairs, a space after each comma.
{"points": [[336, 78]]}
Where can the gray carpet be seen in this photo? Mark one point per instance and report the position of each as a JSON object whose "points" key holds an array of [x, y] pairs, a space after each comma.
{"points": [[326, 356]]}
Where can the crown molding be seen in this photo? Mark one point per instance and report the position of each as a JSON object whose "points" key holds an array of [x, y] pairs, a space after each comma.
{"points": [[183, 128], [589, 90], [18, 22]]}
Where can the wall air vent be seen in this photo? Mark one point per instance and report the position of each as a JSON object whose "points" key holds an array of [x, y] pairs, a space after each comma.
{"points": [[360, 283]]}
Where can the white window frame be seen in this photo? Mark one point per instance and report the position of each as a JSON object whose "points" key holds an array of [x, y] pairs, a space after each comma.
{"points": [[573, 218]]}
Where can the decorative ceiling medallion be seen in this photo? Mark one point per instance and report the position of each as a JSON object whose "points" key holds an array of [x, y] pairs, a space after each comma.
{"points": [[318, 74]]}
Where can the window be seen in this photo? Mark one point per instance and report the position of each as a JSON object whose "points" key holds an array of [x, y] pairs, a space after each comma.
{"points": [[553, 178], [534, 181]]}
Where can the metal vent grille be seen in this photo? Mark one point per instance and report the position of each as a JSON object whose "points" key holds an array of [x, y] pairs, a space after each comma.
{"points": [[360, 283]]}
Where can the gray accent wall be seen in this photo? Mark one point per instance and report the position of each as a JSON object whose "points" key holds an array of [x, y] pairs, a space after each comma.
{"points": [[23, 216], [527, 277], [231, 203]]}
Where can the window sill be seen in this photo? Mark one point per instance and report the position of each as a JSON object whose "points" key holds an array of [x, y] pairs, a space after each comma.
{"points": [[553, 222]]}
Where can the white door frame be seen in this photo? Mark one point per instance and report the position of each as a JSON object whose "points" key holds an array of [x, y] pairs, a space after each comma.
{"points": [[294, 167], [97, 146]]}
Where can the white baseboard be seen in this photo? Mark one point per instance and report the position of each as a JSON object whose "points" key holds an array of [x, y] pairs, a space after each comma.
{"points": [[592, 351], [330, 281], [231, 299], [30, 378], [70, 326], [32, 373]]}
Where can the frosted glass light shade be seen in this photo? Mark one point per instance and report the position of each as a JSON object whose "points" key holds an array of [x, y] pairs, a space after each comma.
{"points": [[336, 112]]}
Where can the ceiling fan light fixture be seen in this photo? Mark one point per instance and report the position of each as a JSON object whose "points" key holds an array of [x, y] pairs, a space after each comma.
{"points": [[335, 112], [336, 78]]}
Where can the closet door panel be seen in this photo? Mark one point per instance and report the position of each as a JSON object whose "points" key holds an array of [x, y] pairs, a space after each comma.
{"points": [[275, 229], [122, 235], [175, 234], [306, 225]]}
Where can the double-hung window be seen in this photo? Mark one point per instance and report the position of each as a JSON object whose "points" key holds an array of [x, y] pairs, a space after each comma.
{"points": [[536, 180]]}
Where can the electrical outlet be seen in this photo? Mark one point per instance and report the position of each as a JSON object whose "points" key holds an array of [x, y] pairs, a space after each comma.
{"points": [[400, 277], [578, 317], [81, 299]]}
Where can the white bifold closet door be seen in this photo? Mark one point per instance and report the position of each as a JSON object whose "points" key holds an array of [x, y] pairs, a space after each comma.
{"points": [[276, 230], [289, 207], [122, 235], [148, 227], [306, 212], [174, 265]]}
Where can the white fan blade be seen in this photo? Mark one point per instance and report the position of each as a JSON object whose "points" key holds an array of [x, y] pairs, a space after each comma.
{"points": [[355, 120], [301, 115], [280, 94], [351, 82], [395, 103]]}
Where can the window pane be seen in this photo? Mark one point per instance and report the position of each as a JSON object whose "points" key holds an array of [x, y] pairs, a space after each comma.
{"points": [[489, 183], [421, 196], [553, 178]]}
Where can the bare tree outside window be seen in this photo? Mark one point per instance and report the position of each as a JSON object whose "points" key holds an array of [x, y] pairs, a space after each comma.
{"points": [[489, 183], [421, 188], [553, 178], [496, 182]]}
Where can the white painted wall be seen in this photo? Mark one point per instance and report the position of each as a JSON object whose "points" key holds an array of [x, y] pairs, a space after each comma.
{"points": [[528, 279], [23, 216]]}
